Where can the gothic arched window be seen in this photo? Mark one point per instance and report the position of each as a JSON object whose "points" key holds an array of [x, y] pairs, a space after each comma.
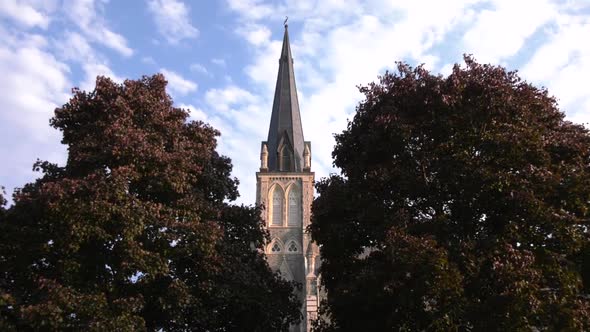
{"points": [[292, 248], [294, 206], [276, 247], [277, 207]]}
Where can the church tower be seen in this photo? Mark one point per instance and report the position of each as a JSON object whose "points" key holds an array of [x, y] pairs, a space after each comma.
{"points": [[284, 187]]}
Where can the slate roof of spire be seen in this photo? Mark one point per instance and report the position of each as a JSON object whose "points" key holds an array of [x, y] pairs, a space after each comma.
{"points": [[285, 122]]}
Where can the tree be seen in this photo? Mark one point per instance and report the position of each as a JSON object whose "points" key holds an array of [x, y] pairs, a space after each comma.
{"points": [[134, 232], [2, 203], [6, 299], [463, 204]]}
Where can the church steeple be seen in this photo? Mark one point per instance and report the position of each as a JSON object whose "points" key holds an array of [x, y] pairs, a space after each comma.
{"points": [[284, 187], [285, 142]]}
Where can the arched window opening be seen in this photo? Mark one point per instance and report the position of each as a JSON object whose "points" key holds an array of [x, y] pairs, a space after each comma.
{"points": [[294, 207], [285, 157], [277, 207], [276, 248], [292, 248]]}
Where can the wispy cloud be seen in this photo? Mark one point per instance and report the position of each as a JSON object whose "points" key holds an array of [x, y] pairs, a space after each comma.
{"points": [[224, 99], [75, 48], [256, 34], [237, 113], [34, 82], [177, 84], [87, 16], [337, 47], [92, 70], [172, 20], [148, 60], [562, 64], [218, 61], [195, 113], [37, 73], [500, 32], [24, 13], [199, 68]]}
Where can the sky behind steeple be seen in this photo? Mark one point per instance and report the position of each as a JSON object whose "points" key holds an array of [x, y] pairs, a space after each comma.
{"points": [[220, 59]]}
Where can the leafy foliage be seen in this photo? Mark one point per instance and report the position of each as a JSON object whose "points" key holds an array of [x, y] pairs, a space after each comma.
{"points": [[463, 205], [2, 199], [134, 232]]}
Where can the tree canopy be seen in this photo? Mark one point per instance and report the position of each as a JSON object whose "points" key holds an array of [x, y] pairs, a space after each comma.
{"points": [[2, 201], [135, 232], [463, 204]]}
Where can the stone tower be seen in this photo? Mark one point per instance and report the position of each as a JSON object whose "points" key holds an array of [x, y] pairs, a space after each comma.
{"points": [[284, 187]]}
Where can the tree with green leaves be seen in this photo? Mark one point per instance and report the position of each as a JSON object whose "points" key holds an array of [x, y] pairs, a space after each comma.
{"points": [[463, 204], [135, 232]]}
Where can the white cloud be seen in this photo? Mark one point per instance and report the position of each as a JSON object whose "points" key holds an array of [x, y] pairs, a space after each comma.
{"points": [[237, 114], [35, 74], [337, 46], [172, 20], [148, 60], [501, 32], [33, 84], [199, 68], [85, 14], [251, 9], [260, 72], [562, 64], [256, 34], [218, 61], [218, 113], [194, 112], [74, 47], [178, 84], [224, 99], [25, 13], [92, 70], [446, 70]]}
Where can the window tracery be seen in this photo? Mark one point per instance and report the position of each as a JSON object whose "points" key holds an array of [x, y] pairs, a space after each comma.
{"points": [[293, 247], [294, 207], [276, 248], [277, 207]]}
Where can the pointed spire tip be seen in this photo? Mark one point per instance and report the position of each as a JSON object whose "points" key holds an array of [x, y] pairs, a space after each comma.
{"points": [[285, 122]]}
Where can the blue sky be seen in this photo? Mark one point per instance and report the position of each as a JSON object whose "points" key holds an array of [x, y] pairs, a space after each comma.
{"points": [[221, 58]]}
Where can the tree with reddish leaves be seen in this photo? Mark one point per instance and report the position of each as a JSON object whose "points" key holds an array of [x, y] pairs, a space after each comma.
{"points": [[463, 204], [134, 232]]}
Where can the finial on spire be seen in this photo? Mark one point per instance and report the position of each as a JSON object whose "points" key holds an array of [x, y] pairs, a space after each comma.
{"points": [[285, 23]]}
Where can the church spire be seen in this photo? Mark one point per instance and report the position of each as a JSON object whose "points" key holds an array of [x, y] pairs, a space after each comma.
{"points": [[285, 135]]}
